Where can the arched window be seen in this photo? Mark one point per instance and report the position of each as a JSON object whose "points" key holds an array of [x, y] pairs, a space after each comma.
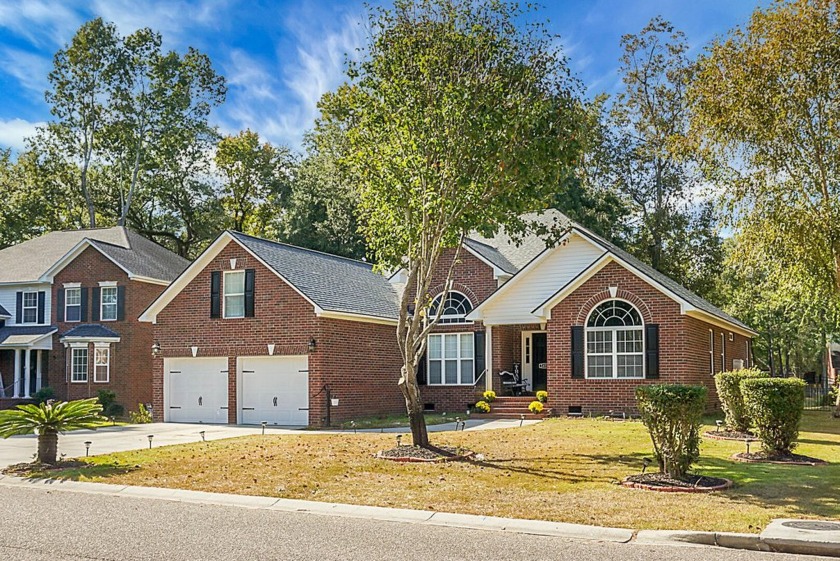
{"points": [[455, 308], [615, 341]]}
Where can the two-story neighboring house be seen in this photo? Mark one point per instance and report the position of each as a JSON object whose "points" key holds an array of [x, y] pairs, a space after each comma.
{"points": [[70, 304]]}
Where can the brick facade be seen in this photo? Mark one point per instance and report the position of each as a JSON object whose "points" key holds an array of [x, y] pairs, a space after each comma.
{"points": [[131, 361], [683, 344], [359, 361]]}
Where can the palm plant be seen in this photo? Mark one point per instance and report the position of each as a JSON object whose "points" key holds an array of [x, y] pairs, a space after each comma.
{"points": [[49, 420]]}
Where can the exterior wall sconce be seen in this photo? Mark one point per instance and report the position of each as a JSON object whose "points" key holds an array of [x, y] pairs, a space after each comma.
{"points": [[312, 345], [410, 309], [156, 349]]}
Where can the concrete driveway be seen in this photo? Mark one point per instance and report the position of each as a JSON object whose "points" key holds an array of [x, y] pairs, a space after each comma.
{"points": [[19, 449]]}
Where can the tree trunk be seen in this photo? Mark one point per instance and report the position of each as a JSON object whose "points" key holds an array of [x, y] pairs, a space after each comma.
{"points": [[414, 407], [47, 447]]}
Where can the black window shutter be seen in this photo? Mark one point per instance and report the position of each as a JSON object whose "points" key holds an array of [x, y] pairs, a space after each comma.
{"points": [[120, 303], [42, 303], [94, 307], [478, 347], [652, 350], [19, 308], [84, 305], [215, 300], [577, 351], [249, 293], [59, 304], [421, 371]]}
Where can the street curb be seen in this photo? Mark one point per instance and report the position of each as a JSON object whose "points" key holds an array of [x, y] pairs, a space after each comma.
{"points": [[751, 542]]}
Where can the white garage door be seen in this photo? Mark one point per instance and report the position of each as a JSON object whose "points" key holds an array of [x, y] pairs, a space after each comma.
{"points": [[197, 390], [275, 389]]}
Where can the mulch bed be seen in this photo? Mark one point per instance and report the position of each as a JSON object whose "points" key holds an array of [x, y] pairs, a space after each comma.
{"points": [[688, 484], [432, 454], [729, 435], [791, 459], [22, 470]]}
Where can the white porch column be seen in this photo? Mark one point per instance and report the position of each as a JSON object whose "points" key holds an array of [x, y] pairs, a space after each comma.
{"points": [[27, 365], [17, 373], [38, 365], [488, 357]]}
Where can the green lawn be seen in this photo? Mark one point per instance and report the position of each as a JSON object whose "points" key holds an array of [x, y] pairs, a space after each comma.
{"points": [[561, 469], [391, 421]]}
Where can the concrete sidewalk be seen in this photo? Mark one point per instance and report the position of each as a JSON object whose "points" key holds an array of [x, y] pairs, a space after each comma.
{"points": [[782, 536]]}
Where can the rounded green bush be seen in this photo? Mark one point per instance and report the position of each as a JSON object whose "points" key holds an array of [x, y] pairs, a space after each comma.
{"points": [[728, 386], [673, 413], [775, 406]]}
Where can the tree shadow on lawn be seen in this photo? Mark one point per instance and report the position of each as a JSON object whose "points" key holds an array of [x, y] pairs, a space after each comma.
{"points": [[549, 467], [89, 471]]}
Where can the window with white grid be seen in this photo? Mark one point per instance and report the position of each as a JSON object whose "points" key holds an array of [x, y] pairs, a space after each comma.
{"points": [[615, 346]]}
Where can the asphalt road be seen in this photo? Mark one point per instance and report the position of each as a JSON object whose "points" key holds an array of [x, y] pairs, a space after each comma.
{"points": [[41, 524]]}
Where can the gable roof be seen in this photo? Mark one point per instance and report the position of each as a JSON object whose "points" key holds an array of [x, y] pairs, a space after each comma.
{"points": [[665, 283], [4, 313], [331, 282], [11, 336], [36, 260], [335, 286], [520, 252], [91, 331]]}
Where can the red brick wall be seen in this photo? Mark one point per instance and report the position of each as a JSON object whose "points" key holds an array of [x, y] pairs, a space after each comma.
{"points": [[507, 349], [131, 360], [358, 360], [683, 344]]}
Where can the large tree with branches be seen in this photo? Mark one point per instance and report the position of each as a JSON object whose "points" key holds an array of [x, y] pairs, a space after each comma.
{"points": [[460, 116]]}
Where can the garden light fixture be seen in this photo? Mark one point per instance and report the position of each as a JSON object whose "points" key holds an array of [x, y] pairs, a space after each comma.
{"points": [[263, 424], [353, 424], [521, 419], [719, 423], [747, 442], [202, 436], [150, 437], [645, 464], [399, 440], [87, 447]]}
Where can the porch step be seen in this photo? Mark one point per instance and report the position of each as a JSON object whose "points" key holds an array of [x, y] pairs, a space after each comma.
{"points": [[511, 415]]}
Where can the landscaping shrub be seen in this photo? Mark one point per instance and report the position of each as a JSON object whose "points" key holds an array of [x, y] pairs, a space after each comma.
{"points": [[482, 407], [775, 406], [489, 396], [43, 395], [542, 396], [729, 391], [141, 416], [535, 407], [110, 407], [672, 413]]}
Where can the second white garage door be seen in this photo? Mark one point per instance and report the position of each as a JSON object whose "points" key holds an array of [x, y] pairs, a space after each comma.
{"points": [[196, 390], [275, 390]]}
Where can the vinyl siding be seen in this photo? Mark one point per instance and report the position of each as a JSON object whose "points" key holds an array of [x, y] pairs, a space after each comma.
{"points": [[8, 299], [537, 285]]}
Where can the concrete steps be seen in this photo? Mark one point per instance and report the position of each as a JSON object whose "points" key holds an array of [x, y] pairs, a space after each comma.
{"points": [[513, 407]]}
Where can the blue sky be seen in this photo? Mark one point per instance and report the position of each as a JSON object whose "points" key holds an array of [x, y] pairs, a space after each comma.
{"points": [[280, 56]]}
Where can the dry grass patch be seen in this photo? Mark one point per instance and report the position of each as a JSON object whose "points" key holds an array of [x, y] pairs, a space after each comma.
{"points": [[564, 470]]}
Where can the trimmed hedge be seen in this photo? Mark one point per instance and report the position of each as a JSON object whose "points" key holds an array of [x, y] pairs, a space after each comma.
{"points": [[775, 405], [729, 391], [673, 413]]}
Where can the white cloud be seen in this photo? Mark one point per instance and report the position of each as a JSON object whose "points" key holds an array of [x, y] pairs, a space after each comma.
{"points": [[29, 69], [42, 22], [14, 132]]}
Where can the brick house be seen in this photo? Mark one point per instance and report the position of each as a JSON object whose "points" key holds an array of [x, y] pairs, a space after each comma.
{"points": [[75, 298], [259, 331]]}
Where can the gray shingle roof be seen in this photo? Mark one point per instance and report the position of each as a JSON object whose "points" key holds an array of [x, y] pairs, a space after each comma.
{"points": [[29, 260], [492, 255], [91, 330], [4, 312], [334, 283], [24, 334], [520, 252]]}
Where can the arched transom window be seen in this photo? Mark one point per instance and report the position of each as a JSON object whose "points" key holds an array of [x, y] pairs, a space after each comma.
{"points": [[615, 341], [455, 308]]}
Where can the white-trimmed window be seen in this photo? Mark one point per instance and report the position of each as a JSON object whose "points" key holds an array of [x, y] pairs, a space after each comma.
{"points": [[30, 307], [451, 359], [73, 304], [234, 294], [78, 364], [456, 306], [101, 365], [615, 346], [108, 303]]}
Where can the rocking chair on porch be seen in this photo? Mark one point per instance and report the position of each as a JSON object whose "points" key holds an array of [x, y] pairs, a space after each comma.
{"points": [[512, 381]]}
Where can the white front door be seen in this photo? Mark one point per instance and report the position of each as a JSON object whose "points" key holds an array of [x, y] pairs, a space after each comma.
{"points": [[196, 390], [274, 389]]}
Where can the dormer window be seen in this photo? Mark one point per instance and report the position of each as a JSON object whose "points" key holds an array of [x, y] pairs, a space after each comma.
{"points": [[456, 306]]}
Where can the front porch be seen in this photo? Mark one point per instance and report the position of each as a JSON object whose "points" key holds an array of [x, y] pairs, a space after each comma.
{"points": [[21, 373], [517, 358]]}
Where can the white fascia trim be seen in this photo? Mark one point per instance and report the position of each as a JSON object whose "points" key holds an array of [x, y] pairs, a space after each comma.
{"points": [[497, 272], [72, 285], [107, 283], [327, 314], [706, 317], [76, 341], [149, 280], [543, 311], [477, 314], [42, 337]]}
